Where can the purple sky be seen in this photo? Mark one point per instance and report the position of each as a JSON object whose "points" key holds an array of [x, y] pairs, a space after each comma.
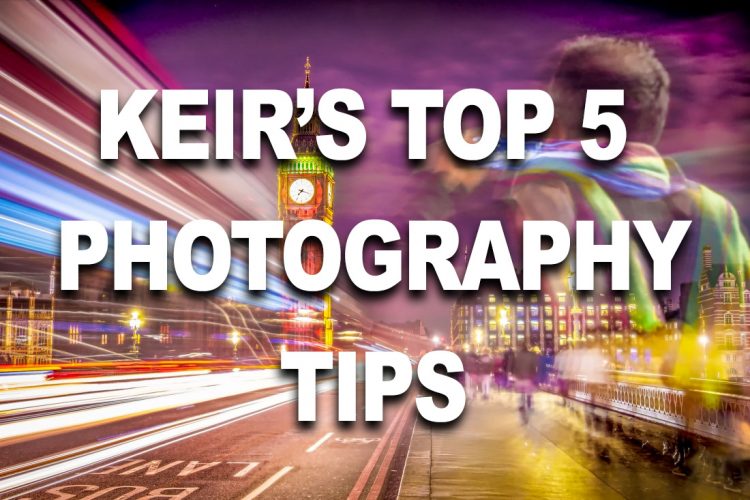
{"points": [[373, 47]]}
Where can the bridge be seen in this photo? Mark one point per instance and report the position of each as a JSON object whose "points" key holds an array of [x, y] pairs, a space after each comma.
{"points": [[611, 440]]}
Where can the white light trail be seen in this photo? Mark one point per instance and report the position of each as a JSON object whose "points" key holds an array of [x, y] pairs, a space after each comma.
{"points": [[123, 448]]}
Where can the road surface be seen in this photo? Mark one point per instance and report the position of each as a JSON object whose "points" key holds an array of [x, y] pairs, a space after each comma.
{"points": [[243, 446]]}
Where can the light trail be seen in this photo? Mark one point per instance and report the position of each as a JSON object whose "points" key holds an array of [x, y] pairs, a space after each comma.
{"points": [[113, 392], [196, 390], [39, 387], [59, 466], [47, 200]]}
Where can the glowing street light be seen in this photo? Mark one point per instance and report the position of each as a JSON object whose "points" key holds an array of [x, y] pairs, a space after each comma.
{"points": [[478, 335], [135, 325], [234, 338], [436, 340], [703, 340]]}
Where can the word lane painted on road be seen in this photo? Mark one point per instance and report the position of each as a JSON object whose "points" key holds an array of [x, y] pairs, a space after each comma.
{"points": [[178, 468], [144, 468]]}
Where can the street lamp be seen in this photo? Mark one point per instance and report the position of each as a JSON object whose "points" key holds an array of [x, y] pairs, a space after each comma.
{"points": [[135, 325], [478, 336], [234, 338]]}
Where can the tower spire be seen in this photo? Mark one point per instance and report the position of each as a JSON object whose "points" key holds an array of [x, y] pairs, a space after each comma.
{"points": [[307, 72]]}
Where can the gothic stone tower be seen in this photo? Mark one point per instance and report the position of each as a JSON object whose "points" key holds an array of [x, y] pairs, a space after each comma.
{"points": [[305, 191]]}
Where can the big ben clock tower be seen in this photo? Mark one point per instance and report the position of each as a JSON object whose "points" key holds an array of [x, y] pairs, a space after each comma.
{"points": [[306, 188]]}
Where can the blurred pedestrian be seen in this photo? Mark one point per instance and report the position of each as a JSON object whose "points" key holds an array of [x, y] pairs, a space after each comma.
{"points": [[484, 372], [546, 362], [507, 363], [524, 368], [498, 369], [471, 367]]}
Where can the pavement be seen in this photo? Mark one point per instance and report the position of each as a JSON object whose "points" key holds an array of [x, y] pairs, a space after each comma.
{"points": [[491, 453]]}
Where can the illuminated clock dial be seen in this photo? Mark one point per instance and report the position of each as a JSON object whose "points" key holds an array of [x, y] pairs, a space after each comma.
{"points": [[301, 191]]}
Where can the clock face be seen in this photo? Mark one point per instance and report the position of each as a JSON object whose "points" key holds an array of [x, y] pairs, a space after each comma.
{"points": [[301, 191]]}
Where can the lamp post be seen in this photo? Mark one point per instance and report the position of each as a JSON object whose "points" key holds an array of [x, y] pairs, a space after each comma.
{"points": [[135, 325], [234, 338]]}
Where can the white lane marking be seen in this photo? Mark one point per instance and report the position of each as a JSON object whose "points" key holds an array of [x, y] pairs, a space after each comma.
{"points": [[268, 483], [245, 470], [319, 442]]}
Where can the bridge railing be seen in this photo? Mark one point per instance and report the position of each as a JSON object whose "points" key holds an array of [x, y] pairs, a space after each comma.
{"points": [[715, 415]]}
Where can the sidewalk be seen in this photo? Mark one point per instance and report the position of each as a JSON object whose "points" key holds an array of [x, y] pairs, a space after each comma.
{"points": [[490, 454]]}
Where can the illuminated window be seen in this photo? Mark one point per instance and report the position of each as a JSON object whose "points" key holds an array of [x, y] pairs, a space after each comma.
{"points": [[74, 334], [534, 326], [120, 338], [562, 310], [493, 325], [491, 299], [590, 324], [548, 311], [604, 309], [589, 310], [520, 325], [492, 311], [618, 308], [534, 310], [548, 325], [728, 319], [562, 326], [519, 310], [605, 324], [104, 339]]}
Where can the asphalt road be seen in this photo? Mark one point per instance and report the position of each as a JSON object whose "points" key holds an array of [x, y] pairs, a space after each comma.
{"points": [[239, 447]]}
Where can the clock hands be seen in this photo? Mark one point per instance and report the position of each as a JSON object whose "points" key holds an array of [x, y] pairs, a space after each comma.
{"points": [[300, 192]]}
